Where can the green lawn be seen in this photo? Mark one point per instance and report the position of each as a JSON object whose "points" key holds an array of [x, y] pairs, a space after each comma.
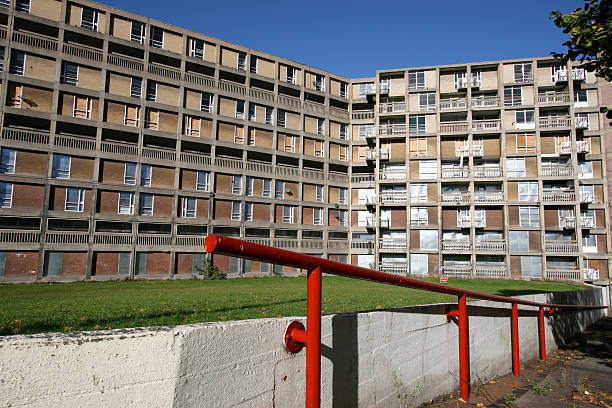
{"points": [[60, 307]]}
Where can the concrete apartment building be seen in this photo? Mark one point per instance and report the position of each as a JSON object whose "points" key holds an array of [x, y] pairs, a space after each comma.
{"points": [[125, 141]]}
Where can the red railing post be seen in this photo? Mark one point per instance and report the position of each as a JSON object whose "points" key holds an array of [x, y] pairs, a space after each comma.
{"points": [[464, 359], [313, 339], [516, 365], [542, 334]]}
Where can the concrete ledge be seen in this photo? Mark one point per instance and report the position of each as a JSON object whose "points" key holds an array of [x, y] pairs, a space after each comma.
{"points": [[367, 357]]}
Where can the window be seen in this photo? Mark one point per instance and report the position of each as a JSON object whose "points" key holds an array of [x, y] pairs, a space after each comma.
{"points": [[249, 186], [365, 130], [476, 79], [7, 161], [136, 87], [516, 166], [343, 90], [418, 146], [292, 75], [2, 50], [343, 134], [288, 214], [203, 181], [281, 121], [266, 190], [531, 266], [137, 33], [269, 115], [126, 203], [416, 80], [22, 6], [279, 189], [582, 121], [236, 185], [513, 96], [248, 211], [61, 166], [151, 91], [585, 169], [418, 264], [252, 112], [240, 109], [427, 101], [132, 116], [319, 83], [524, 119], [82, 107], [319, 194], [589, 242], [192, 126], [416, 124], [152, 121], [236, 211], [6, 194], [197, 48], [129, 174], [523, 72], [206, 104], [190, 205], [89, 19], [241, 64], [343, 196], [75, 199], [320, 126], [319, 148], [528, 191], [317, 216], [254, 64], [428, 169], [364, 88], [146, 204], [581, 97], [519, 241], [525, 143], [419, 216], [428, 240], [157, 37], [418, 192], [460, 80], [145, 175], [70, 74], [529, 216], [342, 218], [17, 63], [558, 73], [124, 263]]}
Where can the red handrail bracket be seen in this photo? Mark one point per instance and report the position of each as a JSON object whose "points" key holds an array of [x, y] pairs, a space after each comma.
{"points": [[450, 314], [295, 330]]}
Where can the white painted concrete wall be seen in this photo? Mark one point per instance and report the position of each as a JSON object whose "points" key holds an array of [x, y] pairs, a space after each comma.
{"points": [[244, 364]]}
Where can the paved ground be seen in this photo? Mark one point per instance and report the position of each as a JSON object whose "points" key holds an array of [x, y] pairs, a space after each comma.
{"points": [[577, 375]]}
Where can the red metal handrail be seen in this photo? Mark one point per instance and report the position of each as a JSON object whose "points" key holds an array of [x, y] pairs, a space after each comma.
{"points": [[296, 336]]}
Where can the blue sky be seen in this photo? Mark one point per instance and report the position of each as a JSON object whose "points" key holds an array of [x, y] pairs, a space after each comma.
{"points": [[338, 36]]}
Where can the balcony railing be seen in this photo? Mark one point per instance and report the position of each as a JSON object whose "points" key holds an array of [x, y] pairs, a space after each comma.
{"points": [[370, 89], [456, 245], [83, 52], [557, 171], [485, 102], [456, 197], [203, 80], [392, 130], [578, 74], [24, 135], [587, 221], [477, 150], [399, 244], [362, 115], [366, 178], [553, 97], [464, 222], [395, 174], [35, 40], [392, 107], [159, 154], [564, 148], [394, 268], [487, 172], [555, 122], [166, 72], [568, 222], [454, 126], [130, 64], [591, 274], [457, 270], [455, 173], [491, 271], [558, 196], [582, 122], [586, 197], [480, 222], [362, 244], [486, 125], [67, 238], [488, 196], [195, 158], [9, 236], [78, 143], [112, 239], [153, 240], [560, 76], [491, 245], [561, 247], [192, 241], [563, 274], [453, 103], [393, 197], [583, 146], [120, 148]]}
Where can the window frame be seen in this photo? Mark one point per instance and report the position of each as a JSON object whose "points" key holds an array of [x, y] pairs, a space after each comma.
{"points": [[416, 80], [523, 75], [130, 207], [13, 68], [531, 214], [317, 216], [427, 106], [513, 95], [58, 172], [518, 168], [135, 87], [145, 175], [8, 160], [95, 19], [146, 210], [417, 127], [6, 198], [420, 198], [70, 78], [530, 195], [526, 147], [79, 204], [186, 211], [203, 185], [416, 216], [154, 42], [237, 185], [128, 178], [194, 50], [140, 37], [236, 213]]}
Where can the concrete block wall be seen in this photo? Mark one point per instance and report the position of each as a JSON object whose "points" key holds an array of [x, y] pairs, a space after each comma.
{"points": [[367, 356]]}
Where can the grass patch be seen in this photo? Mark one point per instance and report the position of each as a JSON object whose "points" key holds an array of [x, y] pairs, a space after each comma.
{"points": [[39, 308]]}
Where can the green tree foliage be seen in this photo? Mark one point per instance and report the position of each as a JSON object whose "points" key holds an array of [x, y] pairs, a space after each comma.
{"points": [[209, 271]]}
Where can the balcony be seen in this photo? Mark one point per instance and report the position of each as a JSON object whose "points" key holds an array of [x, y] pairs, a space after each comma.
{"points": [[457, 245], [464, 222], [492, 196], [153, 240], [25, 135], [485, 102], [159, 154], [553, 97], [583, 146], [35, 40], [487, 125], [458, 270], [453, 103], [11, 236], [371, 154], [80, 51], [456, 197], [561, 247], [477, 150], [392, 107], [557, 171], [563, 274], [393, 197], [371, 222], [568, 222], [564, 148], [392, 130], [112, 239], [396, 244], [591, 274], [586, 197], [578, 74], [491, 271], [587, 221], [370, 89], [558, 196], [363, 115], [454, 126], [480, 222], [71, 238], [364, 178], [362, 244], [582, 122], [455, 173], [393, 174], [490, 245], [560, 76], [395, 268], [487, 172], [552, 122]]}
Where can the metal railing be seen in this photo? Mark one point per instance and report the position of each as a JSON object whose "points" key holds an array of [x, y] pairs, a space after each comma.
{"points": [[454, 126], [297, 336]]}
